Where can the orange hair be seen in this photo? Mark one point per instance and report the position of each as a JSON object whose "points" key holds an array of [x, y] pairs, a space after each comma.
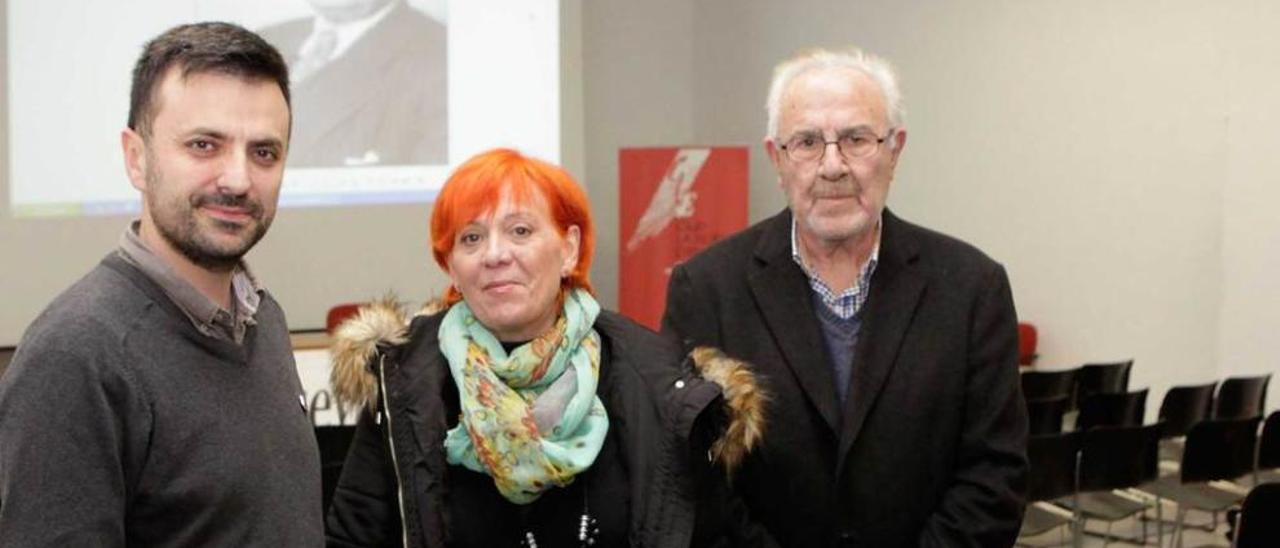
{"points": [[475, 188]]}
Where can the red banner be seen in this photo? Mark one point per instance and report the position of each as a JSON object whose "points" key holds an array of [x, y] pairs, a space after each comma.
{"points": [[674, 203]]}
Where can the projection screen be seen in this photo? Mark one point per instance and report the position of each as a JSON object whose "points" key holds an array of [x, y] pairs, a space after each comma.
{"points": [[355, 201]]}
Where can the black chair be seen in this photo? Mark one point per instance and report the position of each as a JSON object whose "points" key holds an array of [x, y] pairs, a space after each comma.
{"points": [[1102, 378], [1113, 458], [1112, 409], [1182, 407], [1215, 450], [1037, 384], [1051, 474], [1268, 465], [1241, 397], [334, 442], [1257, 526], [1045, 415]]}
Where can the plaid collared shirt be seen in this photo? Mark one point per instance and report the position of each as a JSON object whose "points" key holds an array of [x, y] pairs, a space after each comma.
{"points": [[851, 300]]}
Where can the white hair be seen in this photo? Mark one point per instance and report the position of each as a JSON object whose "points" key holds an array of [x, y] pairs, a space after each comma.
{"points": [[874, 67]]}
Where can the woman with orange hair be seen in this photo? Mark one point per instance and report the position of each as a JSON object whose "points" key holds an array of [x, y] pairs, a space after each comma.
{"points": [[519, 413]]}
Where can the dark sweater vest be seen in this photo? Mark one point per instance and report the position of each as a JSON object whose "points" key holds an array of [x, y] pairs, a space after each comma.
{"points": [[841, 337], [123, 425]]}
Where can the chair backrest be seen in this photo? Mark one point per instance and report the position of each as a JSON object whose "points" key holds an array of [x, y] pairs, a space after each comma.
{"points": [[339, 314], [1026, 343], [1219, 449], [1269, 443], [1112, 409], [1051, 469], [1184, 406], [1241, 397], [1119, 457], [1258, 526], [1103, 378], [1048, 384], [1045, 415]]}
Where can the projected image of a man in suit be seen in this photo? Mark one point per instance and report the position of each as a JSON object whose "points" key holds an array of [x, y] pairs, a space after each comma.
{"points": [[369, 84]]}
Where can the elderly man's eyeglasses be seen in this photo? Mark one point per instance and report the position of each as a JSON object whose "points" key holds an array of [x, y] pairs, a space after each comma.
{"points": [[809, 147]]}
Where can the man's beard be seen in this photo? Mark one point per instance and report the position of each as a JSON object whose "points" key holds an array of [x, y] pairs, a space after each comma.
{"points": [[179, 225]]}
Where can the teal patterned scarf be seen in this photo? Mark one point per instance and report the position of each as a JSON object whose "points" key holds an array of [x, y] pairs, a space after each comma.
{"points": [[531, 420]]}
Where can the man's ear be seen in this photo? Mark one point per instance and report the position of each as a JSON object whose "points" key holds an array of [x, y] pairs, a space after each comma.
{"points": [[135, 158], [899, 142], [775, 156], [771, 148]]}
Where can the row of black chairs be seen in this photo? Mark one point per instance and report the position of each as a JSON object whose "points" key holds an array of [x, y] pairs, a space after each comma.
{"points": [[1073, 475], [1207, 433], [1111, 473], [1101, 391], [1078, 383]]}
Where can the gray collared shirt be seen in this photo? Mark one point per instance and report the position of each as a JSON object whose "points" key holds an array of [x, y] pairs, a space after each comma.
{"points": [[209, 318], [851, 300]]}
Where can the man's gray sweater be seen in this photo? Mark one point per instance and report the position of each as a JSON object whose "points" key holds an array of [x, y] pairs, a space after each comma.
{"points": [[122, 425]]}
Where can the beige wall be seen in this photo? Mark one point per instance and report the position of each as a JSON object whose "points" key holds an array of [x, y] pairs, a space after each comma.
{"points": [[1249, 328], [1118, 157], [638, 67]]}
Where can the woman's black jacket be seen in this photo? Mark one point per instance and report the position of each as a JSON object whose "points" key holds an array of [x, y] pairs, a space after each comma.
{"points": [[688, 422]]}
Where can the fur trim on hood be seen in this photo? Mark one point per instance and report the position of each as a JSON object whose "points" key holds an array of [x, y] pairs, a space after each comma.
{"points": [[356, 340], [744, 401], [385, 322]]}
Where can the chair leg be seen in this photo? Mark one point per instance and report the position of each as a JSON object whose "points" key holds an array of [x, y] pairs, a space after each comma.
{"points": [[1159, 522], [1106, 541], [1177, 529], [1145, 533], [1235, 536]]}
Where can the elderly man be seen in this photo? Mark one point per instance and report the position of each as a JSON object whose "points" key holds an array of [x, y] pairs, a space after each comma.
{"points": [[156, 401], [890, 350]]}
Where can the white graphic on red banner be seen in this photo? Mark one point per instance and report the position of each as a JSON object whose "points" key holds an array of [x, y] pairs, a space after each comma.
{"points": [[674, 203], [674, 197]]}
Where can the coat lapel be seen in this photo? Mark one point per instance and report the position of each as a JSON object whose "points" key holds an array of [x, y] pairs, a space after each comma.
{"points": [[896, 289], [783, 294]]}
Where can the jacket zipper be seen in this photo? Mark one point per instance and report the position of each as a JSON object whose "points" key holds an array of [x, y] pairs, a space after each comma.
{"points": [[391, 444]]}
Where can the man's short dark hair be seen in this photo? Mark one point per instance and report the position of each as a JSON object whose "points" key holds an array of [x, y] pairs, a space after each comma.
{"points": [[201, 48]]}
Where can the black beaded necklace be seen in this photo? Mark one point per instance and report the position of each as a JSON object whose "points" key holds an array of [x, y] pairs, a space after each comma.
{"points": [[588, 527]]}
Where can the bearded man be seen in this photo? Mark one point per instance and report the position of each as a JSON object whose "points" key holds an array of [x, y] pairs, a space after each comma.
{"points": [[156, 402]]}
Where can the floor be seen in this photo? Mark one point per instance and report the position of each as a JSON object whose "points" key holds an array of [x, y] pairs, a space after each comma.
{"points": [[1192, 536]]}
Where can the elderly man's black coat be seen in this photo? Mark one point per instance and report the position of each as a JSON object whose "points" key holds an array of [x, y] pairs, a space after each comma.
{"points": [[928, 449]]}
